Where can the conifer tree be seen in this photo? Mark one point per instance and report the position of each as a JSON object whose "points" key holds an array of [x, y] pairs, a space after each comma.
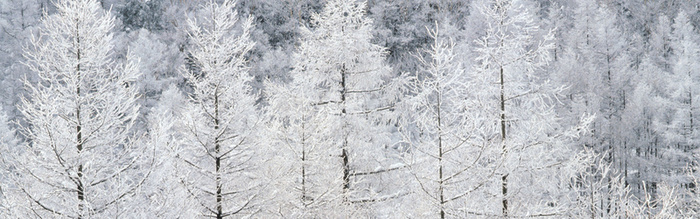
{"points": [[528, 146], [218, 153], [440, 129], [83, 158], [340, 76]]}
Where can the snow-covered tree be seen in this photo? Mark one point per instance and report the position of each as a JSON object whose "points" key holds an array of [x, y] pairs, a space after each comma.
{"points": [[528, 145], [164, 195], [343, 75], [308, 168], [83, 158], [441, 131], [218, 153]]}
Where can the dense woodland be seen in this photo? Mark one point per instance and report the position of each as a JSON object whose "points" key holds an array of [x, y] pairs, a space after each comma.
{"points": [[349, 109]]}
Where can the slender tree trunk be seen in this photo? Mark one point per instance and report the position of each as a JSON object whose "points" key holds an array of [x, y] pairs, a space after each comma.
{"points": [[690, 111], [81, 188], [304, 197], [344, 154], [217, 151], [611, 146], [441, 182], [303, 177], [78, 128], [590, 185], [504, 178]]}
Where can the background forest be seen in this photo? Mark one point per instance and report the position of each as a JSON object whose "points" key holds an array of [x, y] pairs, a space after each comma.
{"points": [[349, 109]]}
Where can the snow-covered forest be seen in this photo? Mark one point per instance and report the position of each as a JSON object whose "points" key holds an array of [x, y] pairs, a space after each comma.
{"points": [[349, 108]]}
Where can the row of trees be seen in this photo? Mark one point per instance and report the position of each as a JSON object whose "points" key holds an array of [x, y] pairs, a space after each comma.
{"points": [[481, 133]]}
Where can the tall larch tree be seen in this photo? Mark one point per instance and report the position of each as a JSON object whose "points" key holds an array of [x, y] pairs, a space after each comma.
{"points": [[83, 158], [217, 156], [530, 149], [440, 128], [309, 183], [347, 78]]}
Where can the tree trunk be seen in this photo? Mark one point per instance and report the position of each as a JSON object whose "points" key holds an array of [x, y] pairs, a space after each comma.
{"points": [[78, 128], [217, 151], [304, 197], [344, 154], [504, 178], [441, 182]]}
